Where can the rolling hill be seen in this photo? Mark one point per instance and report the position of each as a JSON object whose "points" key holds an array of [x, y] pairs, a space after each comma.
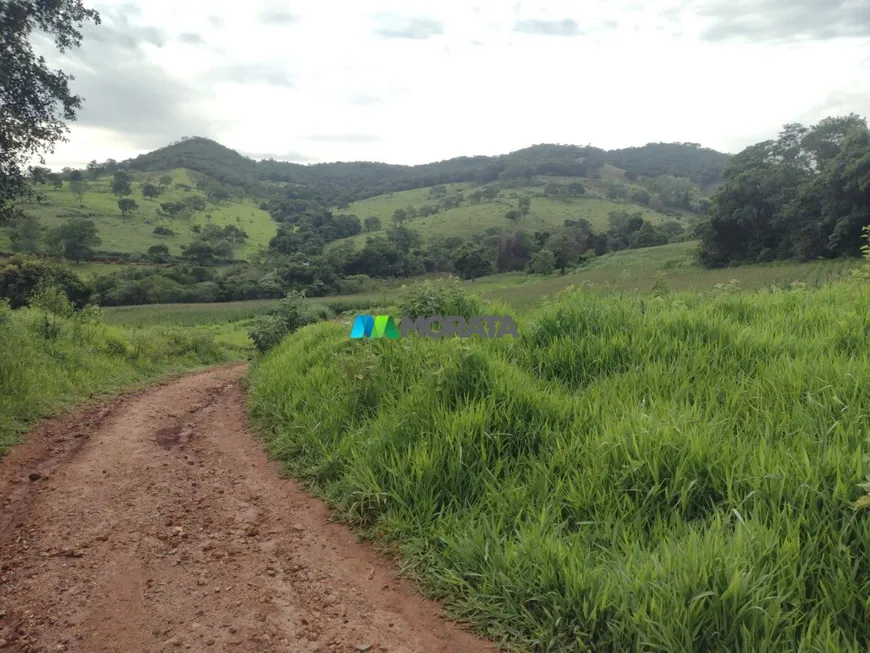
{"points": [[134, 234], [366, 189], [343, 182], [545, 212]]}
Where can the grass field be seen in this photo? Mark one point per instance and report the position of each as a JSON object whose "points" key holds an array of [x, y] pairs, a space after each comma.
{"points": [[134, 234], [634, 473], [49, 363]]}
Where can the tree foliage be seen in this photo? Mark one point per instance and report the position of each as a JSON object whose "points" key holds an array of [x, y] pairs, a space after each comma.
{"points": [[804, 195], [35, 101], [76, 239]]}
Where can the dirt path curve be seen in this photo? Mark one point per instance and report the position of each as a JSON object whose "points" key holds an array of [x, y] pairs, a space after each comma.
{"points": [[158, 524]]}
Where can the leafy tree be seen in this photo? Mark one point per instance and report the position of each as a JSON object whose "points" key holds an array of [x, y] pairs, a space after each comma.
{"points": [[23, 275], [161, 230], [217, 195], [614, 190], [121, 184], [648, 235], [489, 193], [75, 239], [194, 203], [551, 189], [94, 170], [199, 251], [399, 216], [158, 253], [75, 175], [673, 231], [234, 234], [543, 262], [165, 180], [575, 189], [524, 203], [472, 262], [151, 191], [24, 233], [404, 238], [513, 215], [372, 223], [127, 206], [79, 187], [34, 100], [641, 196], [173, 209], [803, 195]]}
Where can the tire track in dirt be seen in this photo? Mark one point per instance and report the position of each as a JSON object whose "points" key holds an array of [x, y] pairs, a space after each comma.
{"points": [[158, 523]]}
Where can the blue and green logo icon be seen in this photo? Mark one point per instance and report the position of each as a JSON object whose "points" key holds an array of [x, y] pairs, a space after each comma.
{"points": [[374, 326]]}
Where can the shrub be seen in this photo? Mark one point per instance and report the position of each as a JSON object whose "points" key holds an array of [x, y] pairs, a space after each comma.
{"points": [[441, 297], [288, 316]]}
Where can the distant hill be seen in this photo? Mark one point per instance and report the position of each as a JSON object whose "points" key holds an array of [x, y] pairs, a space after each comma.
{"points": [[342, 182]]}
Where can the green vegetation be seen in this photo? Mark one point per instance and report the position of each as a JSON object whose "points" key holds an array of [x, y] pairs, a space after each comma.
{"points": [[54, 357], [340, 183], [804, 196], [544, 213], [276, 322], [633, 473], [181, 209]]}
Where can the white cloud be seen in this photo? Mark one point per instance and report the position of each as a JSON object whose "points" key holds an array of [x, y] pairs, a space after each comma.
{"points": [[411, 82]]}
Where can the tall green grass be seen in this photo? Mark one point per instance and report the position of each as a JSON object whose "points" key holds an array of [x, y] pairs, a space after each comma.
{"points": [[49, 362], [672, 473]]}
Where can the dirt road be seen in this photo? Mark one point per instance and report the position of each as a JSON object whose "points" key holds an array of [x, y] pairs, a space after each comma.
{"points": [[157, 523]]}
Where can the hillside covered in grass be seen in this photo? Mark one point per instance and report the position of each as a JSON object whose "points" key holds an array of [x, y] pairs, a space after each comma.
{"points": [[671, 474], [550, 204], [134, 233]]}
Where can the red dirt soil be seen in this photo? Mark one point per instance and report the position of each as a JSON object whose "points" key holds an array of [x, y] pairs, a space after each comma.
{"points": [[158, 523]]}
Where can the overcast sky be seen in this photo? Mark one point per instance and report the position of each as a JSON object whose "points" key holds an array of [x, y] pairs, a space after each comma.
{"points": [[408, 81]]}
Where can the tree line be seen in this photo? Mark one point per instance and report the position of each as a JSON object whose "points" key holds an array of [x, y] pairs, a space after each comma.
{"points": [[804, 195]]}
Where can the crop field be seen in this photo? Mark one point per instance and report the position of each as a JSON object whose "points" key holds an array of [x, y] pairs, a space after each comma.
{"points": [[134, 233], [633, 473]]}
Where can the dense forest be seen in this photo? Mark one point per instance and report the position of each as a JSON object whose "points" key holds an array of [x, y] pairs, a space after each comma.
{"points": [[805, 195], [342, 182]]}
